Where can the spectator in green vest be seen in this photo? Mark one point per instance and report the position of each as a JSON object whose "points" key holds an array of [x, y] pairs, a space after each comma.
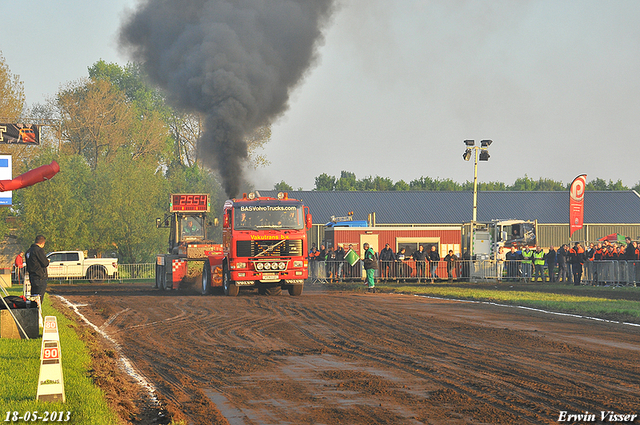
{"points": [[527, 256], [370, 265], [538, 264]]}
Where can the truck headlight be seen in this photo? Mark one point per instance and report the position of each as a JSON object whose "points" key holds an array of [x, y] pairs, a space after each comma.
{"points": [[281, 265], [259, 266], [267, 266]]}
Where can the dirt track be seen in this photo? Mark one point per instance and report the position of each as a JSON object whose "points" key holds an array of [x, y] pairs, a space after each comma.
{"points": [[353, 358]]}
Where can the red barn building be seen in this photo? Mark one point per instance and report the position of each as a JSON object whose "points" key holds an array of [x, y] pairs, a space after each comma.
{"points": [[444, 238]]}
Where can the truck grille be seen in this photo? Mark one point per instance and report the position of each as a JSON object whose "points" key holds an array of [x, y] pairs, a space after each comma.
{"points": [[288, 248]]}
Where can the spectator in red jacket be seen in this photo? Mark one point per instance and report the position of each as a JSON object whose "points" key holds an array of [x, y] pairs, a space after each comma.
{"points": [[19, 268]]}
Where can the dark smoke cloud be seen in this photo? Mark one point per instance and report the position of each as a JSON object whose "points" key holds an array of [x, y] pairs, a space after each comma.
{"points": [[235, 61]]}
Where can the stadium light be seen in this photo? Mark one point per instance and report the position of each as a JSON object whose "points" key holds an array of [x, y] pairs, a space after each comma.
{"points": [[482, 155]]}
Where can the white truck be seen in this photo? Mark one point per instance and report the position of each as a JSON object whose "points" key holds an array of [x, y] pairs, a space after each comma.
{"points": [[73, 264]]}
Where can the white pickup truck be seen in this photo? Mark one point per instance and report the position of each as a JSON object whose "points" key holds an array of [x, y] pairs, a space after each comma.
{"points": [[73, 264]]}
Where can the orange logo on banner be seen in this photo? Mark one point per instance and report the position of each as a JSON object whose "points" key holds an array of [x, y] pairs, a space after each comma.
{"points": [[576, 203]]}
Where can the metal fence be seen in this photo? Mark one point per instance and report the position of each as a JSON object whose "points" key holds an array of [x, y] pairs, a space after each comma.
{"points": [[410, 270], [601, 273], [126, 272], [613, 273]]}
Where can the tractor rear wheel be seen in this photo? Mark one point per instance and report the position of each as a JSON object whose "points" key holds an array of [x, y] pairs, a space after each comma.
{"points": [[206, 279]]}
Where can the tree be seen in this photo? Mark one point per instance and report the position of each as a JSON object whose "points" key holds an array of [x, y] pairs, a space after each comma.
{"points": [[325, 182], [127, 197], [97, 121], [12, 101], [12, 98], [282, 187], [600, 184], [401, 185], [60, 208], [347, 181], [256, 141]]}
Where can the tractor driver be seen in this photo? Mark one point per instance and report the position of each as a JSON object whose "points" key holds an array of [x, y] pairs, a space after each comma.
{"points": [[190, 227]]}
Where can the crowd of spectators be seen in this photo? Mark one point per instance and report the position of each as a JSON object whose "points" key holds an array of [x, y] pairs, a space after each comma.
{"points": [[568, 263], [572, 264], [332, 264]]}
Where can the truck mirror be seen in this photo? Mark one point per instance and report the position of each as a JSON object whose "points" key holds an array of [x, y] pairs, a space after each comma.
{"points": [[226, 220], [309, 221]]}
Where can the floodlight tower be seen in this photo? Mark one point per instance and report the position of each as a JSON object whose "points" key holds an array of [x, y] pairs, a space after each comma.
{"points": [[483, 155]]}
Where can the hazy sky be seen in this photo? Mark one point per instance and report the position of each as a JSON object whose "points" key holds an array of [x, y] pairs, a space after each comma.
{"points": [[399, 85]]}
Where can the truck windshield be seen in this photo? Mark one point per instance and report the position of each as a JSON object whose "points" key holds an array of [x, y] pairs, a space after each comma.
{"points": [[267, 216], [191, 228]]}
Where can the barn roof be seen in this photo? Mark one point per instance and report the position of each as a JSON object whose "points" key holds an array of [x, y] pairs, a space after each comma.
{"points": [[426, 207]]}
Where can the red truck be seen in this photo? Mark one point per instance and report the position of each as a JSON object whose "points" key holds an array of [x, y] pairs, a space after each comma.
{"points": [[264, 246]]}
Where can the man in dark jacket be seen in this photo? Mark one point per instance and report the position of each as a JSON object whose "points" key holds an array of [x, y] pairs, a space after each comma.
{"points": [[628, 252], [563, 265], [434, 259], [340, 262], [513, 259], [420, 257], [577, 258], [551, 263], [37, 263], [387, 259]]}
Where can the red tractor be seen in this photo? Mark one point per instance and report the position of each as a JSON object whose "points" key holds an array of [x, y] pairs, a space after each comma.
{"points": [[188, 242]]}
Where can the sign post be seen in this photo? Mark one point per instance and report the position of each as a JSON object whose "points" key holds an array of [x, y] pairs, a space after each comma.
{"points": [[50, 382]]}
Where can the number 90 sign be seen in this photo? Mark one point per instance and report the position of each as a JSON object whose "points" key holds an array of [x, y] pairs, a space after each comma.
{"points": [[51, 353]]}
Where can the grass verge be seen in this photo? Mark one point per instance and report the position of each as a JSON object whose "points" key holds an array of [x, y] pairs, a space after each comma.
{"points": [[20, 368]]}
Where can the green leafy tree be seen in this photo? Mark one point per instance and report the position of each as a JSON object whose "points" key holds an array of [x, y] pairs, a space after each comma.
{"points": [[127, 197], [282, 187], [60, 208], [523, 183], [98, 120], [378, 183], [617, 185], [600, 184], [12, 102], [325, 182], [347, 181], [401, 185], [12, 99]]}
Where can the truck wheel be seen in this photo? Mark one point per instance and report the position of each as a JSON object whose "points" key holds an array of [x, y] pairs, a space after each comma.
{"points": [[295, 290], [206, 279], [96, 274], [230, 288]]}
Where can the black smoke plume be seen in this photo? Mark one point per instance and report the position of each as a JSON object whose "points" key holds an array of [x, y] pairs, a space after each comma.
{"points": [[235, 61]]}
